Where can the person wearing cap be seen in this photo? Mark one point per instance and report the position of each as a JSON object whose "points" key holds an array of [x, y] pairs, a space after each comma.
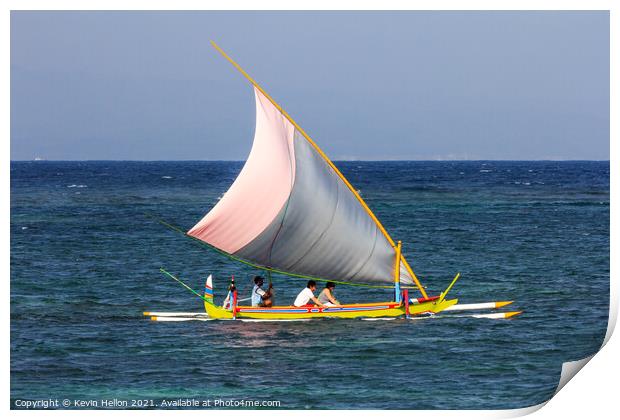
{"points": [[261, 297]]}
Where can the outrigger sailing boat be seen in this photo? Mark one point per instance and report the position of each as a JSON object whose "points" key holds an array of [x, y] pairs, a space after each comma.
{"points": [[292, 211]]}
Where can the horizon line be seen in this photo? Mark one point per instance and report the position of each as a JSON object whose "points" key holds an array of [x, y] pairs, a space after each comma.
{"points": [[335, 160]]}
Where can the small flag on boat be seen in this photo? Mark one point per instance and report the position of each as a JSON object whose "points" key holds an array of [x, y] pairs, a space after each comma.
{"points": [[209, 289]]}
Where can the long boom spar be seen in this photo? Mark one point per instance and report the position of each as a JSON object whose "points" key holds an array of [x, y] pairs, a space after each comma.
{"points": [[329, 162]]}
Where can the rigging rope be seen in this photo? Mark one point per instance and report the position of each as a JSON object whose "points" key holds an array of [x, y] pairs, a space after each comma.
{"points": [[183, 284]]}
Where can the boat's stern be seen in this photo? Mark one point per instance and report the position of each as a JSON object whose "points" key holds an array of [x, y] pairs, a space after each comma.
{"points": [[217, 312]]}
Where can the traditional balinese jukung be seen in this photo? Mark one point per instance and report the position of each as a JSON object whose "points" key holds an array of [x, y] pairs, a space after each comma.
{"points": [[292, 211]]}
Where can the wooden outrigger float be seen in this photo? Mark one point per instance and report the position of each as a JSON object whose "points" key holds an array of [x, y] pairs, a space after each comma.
{"points": [[291, 211]]}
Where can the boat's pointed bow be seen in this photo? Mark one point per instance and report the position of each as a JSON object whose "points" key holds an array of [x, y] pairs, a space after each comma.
{"points": [[442, 305]]}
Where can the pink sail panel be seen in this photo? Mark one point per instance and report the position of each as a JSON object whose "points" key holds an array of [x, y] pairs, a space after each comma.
{"points": [[262, 188]]}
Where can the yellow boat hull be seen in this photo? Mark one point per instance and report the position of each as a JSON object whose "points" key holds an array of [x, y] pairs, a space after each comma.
{"points": [[361, 310]]}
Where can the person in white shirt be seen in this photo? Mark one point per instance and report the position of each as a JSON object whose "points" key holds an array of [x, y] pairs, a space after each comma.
{"points": [[305, 296]]}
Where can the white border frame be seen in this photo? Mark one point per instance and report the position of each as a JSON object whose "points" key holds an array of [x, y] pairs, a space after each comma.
{"points": [[592, 395]]}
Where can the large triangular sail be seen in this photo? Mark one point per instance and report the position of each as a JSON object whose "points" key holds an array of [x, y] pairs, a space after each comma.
{"points": [[292, 210]]}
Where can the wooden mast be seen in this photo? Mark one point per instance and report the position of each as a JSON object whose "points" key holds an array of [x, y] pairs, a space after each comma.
{"points": [[397, 296]]}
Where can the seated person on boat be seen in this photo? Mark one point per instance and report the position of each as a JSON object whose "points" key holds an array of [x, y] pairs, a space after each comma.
{"points": [[306, 295], [227, 304], [326, 297], [261, 297]]}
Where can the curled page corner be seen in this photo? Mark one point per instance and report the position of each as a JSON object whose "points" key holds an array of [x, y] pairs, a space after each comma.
{"points": [[519, 412], [570, 369], [613, 314]]}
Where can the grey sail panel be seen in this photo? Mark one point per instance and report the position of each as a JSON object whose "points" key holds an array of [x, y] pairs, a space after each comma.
{"points": [[322, 230]]}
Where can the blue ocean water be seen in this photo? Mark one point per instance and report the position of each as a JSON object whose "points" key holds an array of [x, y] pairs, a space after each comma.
{"points": [[85, 264]]}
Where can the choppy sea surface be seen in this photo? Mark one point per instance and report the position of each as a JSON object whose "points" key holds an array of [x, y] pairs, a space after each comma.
{"points": [[85, 264]]}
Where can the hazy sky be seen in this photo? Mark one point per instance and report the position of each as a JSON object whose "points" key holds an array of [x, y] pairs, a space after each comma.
{"points": [[364, 85]]}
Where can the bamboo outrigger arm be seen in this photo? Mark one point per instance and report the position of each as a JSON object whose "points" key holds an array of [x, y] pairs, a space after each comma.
{"points": [[330, 163]]}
